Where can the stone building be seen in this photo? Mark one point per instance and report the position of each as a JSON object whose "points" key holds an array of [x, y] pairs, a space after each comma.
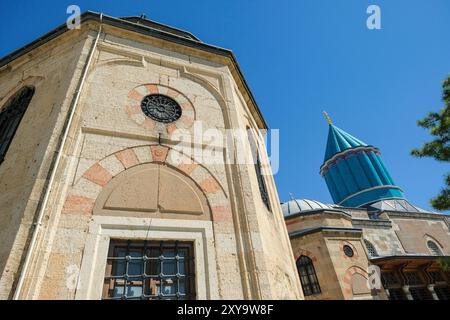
{"points": [[370, 224], [96, 198], [100, 198]]}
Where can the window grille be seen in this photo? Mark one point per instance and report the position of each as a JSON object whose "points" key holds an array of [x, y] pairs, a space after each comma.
{"points": [[348, 251], [258, 170], [436, 276], [161, 108], [443, 293], [420, 293], [149, 270], [308, 277], [413, 278], [262, 184], [370, 249], [10, 117], [389, 279], [434, 248], [396, 294]]}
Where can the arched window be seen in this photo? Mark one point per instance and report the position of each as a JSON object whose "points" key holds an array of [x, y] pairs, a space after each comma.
{"points": [[10, 117], [434, 248], [258, 169], [308, 277], [370, 249]]}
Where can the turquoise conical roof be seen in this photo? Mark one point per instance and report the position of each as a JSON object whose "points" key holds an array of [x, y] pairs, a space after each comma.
{"points": [[339, 140], [357, 177]]}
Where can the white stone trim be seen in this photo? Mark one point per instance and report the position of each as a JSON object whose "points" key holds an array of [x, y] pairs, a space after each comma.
{"points": [[103, 228], [373, 188]]}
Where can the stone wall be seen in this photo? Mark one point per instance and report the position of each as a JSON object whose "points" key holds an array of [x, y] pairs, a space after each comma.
{"points": [[381, 235], [345, 267], [110, 135], [414, 232], [314, 246], [53, 70]]}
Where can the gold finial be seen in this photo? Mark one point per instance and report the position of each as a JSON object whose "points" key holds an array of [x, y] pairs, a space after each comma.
{"points": [[328, 118]]}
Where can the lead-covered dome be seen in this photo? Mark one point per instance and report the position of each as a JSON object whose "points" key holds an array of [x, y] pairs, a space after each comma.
{"points": [[398, 205], [299, 205]]}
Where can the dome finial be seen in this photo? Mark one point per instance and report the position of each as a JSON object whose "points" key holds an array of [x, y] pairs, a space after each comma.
{"points": [[328, 118]]}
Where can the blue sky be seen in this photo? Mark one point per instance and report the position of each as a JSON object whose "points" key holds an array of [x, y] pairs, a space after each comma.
{"points": [[301, 57]]}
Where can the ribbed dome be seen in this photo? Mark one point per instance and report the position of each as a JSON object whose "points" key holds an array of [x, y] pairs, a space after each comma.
{"points": [[354, 172], [339, 140], [300, 205]]}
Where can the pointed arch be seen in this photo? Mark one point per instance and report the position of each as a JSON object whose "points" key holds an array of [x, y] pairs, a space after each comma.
{"points": [[434, 248], [11, 115], [308, 277], [255, 157], [372, 252], [155, 189], [355, 281]]}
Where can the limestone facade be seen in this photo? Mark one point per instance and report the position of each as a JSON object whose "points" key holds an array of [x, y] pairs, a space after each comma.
{"points": [[395, 242], [121, 175], [87, 168]]}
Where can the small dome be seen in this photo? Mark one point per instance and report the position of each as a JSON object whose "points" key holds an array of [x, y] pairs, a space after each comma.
{"points": [[300, 205]]}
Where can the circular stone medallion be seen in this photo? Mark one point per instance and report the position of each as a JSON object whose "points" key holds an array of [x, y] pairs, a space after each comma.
{"points": [[161, 108]]}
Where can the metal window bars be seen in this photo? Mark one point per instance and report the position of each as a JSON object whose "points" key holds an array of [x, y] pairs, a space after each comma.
{"points": [[10, 117], [258, 169], [149, 270], [161, 108], [262, 183], [308, 277]]}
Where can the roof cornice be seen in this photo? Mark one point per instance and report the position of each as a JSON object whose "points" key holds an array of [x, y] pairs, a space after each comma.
{"points": [[407, 257], [381, 223], [317, 211], [301, 233], [416, 215]]}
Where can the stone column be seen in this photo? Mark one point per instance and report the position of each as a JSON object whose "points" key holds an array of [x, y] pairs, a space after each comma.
{"points": [[388, 294], [430, 288], [407, 292]]}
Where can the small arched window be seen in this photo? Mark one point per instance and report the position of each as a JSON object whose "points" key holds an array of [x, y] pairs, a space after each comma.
{"points": [[258, 169], [370, 249], [308, 277], [434, 248], [10, 117]]}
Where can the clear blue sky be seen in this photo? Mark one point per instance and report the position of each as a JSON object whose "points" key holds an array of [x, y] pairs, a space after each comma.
{"points": [[301, 57]]}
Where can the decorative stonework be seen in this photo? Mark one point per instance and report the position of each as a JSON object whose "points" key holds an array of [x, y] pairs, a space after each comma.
{"points": [[128, 158], [84, 193], [134, 110], [161, 108], [342, 252], [347, 281], [78, 205], [98, 175], [301, 252], [159, 153]]}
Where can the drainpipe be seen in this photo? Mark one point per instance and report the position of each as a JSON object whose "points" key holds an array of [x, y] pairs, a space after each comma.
{"points": [[38, 223]]}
